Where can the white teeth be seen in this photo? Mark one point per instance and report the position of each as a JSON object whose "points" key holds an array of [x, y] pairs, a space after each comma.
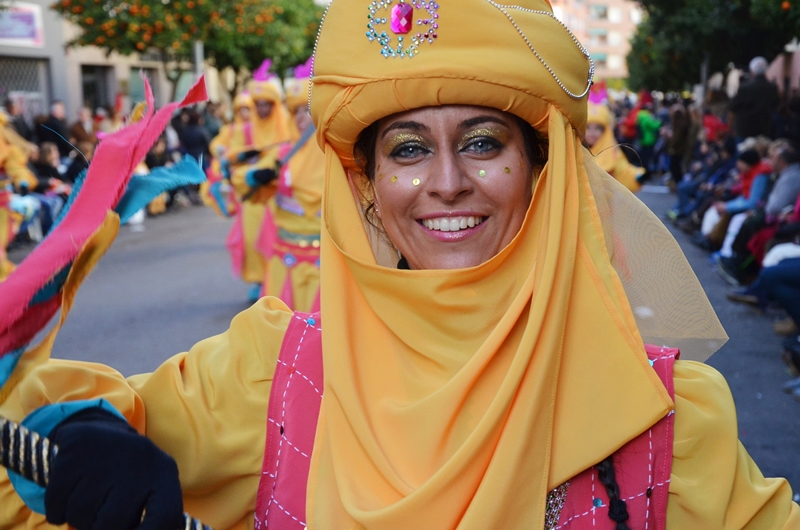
{"points": [[452, 224]]}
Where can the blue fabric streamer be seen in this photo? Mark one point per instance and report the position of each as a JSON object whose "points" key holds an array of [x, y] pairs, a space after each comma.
{"points": [[8, 363], [144, 188]]}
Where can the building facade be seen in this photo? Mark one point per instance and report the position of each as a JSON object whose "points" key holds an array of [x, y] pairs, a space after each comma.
{"points": [[31, 56], [605, 27]]}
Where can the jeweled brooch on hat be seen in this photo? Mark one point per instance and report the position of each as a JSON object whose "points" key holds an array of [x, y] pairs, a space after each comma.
{"points": [[404, 17]]}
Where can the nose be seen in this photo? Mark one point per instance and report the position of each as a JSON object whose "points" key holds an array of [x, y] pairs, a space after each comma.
{"points": [[449, 180]]}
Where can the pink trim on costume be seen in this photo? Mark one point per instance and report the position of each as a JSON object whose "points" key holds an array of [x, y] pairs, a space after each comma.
{"points": [[235, 244], [294, 404], [643, 467]]}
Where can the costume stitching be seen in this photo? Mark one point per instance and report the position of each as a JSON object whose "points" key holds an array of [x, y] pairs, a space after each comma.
{"points": [[305, 320], [298, 372], [584, 514], [594, 508], [289, 513], [283, 416], [649, 480], [290, 444]]}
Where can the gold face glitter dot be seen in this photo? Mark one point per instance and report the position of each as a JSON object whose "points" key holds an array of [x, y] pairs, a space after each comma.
{"points": [[380, 177], [394, 179], [507, 170], [482, 173], [415, 182]]}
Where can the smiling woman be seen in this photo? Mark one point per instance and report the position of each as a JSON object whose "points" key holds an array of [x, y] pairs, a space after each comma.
{"points": [[488, 296]]}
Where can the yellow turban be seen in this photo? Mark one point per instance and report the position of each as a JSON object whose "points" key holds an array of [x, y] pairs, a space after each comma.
{"points": [[297, 94], [264, 90], [459, 398]]}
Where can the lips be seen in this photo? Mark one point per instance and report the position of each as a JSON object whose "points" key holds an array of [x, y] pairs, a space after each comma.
{"points": [[452, 224]]}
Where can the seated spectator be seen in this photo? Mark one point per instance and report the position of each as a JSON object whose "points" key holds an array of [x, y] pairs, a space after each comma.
{"points": [[83, 130], [54, 129], [80, 163], [749, 189], [738, 264], [18, 121], [706, 174]]}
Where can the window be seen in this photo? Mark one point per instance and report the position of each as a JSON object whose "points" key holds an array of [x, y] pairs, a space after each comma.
{"points": [[615, 15], [636, 15], [615, 38], [598, 36], [599, 59], [615, 62], [598, 12]]}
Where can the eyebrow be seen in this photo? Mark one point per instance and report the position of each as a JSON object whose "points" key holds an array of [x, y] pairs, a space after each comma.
{"points": [[411, 125], [472, 122], [466, 124]]}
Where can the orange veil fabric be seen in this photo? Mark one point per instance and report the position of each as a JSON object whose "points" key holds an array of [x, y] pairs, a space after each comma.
{"points": [[459, 398]]}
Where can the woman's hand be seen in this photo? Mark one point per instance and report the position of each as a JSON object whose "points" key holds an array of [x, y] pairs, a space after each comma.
{"points": [[105, 475]]}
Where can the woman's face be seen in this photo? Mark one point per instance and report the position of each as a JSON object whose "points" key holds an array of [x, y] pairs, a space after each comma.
{"points": [[593, 133], [244, 113], [452, 184]]}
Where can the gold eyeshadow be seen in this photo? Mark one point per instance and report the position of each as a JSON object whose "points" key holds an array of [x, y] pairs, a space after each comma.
{"points": [[399, 139], [501, 135]]}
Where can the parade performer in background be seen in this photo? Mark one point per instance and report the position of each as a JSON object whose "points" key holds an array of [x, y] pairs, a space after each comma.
{"points": [[233, 140], [252, 175], [290, 235], [607, 153], [488, 293]]}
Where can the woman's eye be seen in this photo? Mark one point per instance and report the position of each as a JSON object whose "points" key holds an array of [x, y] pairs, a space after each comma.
{"points": [[409, 151], [482, 145]]}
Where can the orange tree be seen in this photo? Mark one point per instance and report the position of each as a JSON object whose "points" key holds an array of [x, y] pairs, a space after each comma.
{"points": [[236, 34]]}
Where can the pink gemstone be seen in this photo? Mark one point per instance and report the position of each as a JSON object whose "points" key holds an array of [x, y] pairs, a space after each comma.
{"points": [[402, 15]]}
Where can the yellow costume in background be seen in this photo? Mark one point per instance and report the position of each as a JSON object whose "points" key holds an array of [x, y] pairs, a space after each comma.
{"points": [[268, 136], [454, 398], [14, 155], [607, 153], [291, 243]]}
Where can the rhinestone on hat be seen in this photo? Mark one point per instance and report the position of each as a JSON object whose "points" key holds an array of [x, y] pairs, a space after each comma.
{"points": [[417, 18]]}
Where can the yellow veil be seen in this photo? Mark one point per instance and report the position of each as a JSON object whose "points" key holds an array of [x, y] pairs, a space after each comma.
{"points": [[459, 398], [607, 153]]}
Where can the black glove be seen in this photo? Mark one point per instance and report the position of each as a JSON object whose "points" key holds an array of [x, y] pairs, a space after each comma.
{"points": [[106, 476], [247, 155], [264, 176]]}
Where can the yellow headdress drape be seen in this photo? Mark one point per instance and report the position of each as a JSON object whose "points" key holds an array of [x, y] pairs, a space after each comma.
{"points": [[458, 398], [607, 153]]}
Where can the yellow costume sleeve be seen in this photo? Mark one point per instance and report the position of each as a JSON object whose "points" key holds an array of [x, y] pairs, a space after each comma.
{"points": [[715, 485], [16, 166], [206, 407]]}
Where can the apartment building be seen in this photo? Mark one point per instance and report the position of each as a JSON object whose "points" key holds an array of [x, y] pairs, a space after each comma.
{"points": [[605, 27]]}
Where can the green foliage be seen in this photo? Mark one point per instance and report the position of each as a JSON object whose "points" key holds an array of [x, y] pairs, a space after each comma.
{"points": [[670, 46], [236, 34]]}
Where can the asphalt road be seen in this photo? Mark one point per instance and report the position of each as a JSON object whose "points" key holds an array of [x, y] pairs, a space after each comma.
{"points": [[159, 291]]}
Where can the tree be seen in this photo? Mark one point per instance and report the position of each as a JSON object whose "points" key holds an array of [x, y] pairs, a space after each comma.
{"points": [[238, 35], [671, 46]]}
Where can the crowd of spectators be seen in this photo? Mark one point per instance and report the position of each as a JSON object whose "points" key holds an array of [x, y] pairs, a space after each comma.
{"points": [[735, 168], [55, 151]]}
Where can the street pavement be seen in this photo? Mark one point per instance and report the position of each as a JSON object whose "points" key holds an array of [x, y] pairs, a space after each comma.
{"points": [[159, 291]]}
